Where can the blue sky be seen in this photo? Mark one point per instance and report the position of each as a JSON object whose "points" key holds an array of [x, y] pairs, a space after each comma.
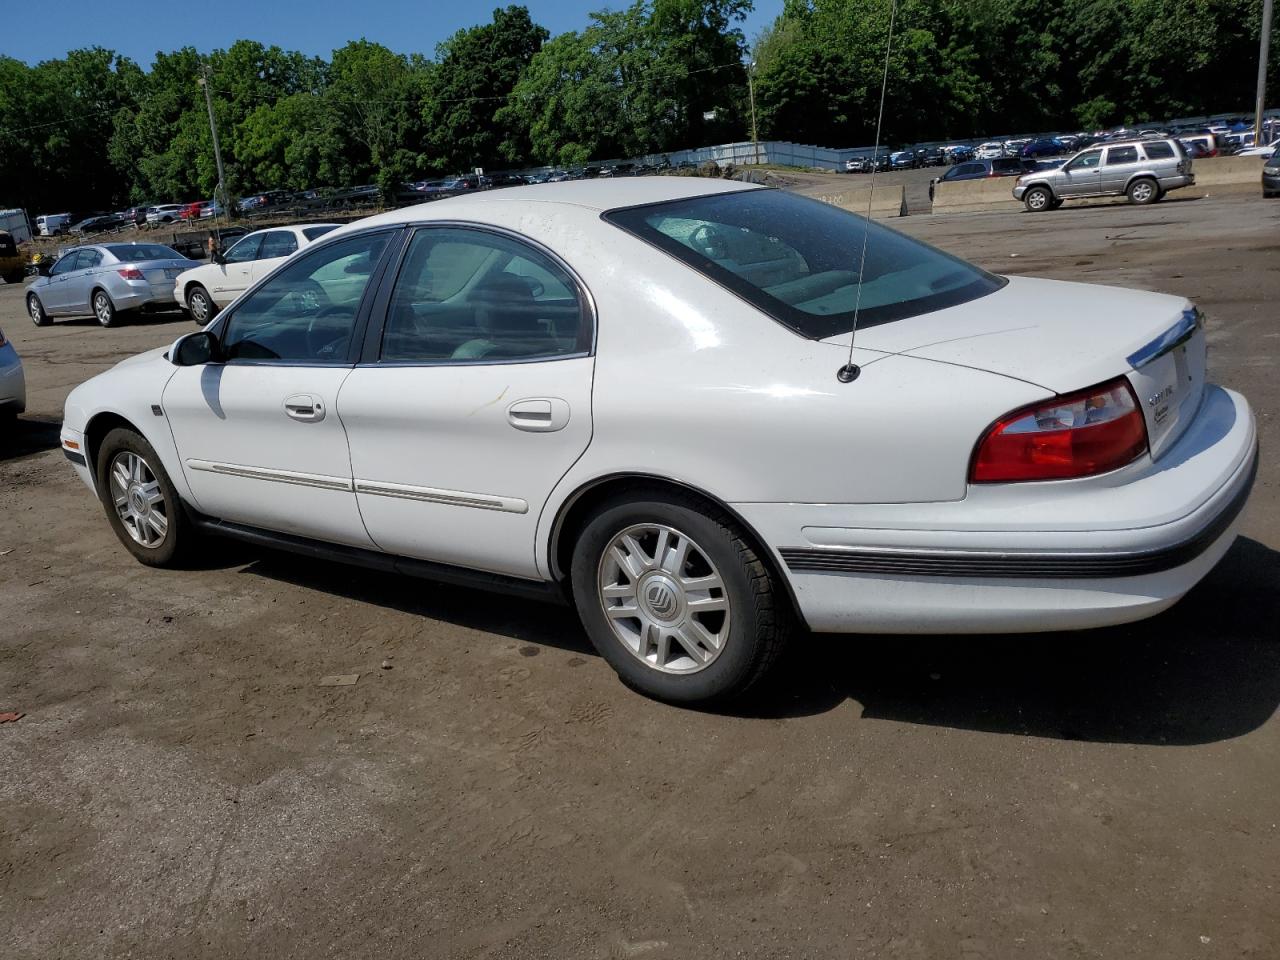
{"points": [[46, 31]]}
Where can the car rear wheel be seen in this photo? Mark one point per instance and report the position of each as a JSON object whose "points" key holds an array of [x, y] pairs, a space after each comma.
{"points": [[1038, 199], [36, 309], [103, 308], [1143, 191], [201, 305], [141, 504], [677, 601]]}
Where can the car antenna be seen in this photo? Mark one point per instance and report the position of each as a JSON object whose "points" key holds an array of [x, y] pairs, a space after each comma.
{"points": [[850, 371]]}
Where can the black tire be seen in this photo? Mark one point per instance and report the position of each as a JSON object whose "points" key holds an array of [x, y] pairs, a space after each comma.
{"points": [[179, 534], [1056, 203], [1038, 199], [15, 277], [196, 296], [103, 309], [1143, 191], [36, 311], [759, 614]]}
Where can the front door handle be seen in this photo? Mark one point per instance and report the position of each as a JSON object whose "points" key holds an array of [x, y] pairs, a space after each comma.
{"points": [[539, 415], [304, 407]]}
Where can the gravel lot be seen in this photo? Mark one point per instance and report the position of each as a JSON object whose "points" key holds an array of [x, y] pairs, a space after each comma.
{"points": [[180, 786]]}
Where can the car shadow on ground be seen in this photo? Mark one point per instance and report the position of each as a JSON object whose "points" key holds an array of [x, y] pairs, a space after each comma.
{"points": [[1206, 670], [131, 319], [25, 437]]}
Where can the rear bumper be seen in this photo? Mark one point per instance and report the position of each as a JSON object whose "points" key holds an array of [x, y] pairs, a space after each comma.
{"points": [[144, 295], [1064, 555], [1271, 183]]}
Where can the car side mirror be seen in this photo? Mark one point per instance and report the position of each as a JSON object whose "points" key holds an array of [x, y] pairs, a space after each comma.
{"points": [[195, 349], [218, 257]]}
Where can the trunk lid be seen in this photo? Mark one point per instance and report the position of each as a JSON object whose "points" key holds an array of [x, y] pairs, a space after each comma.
{"points": [[1066, 336]]}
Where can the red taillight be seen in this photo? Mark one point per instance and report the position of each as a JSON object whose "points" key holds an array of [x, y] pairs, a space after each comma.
{"points": [[1074, 435], [131, 273]]}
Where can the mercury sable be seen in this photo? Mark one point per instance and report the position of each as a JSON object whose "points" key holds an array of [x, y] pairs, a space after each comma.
{"points": [[640, 394]]}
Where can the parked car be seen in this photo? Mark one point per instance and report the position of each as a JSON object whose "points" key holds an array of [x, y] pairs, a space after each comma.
{"points": [[857, 165], [1271, 176], [981, 169], [164, 213], [1206, 144], [94, 223], [1041, 148], [990, 150], [13, 383], [205, 289], [106, 280], [1142, 170], [12, 265], [52, 224], [362, 196], [993, 470], [903, 160]]}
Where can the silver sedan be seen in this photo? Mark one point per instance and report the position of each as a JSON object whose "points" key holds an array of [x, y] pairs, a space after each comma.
{"points": [[105, 280]]}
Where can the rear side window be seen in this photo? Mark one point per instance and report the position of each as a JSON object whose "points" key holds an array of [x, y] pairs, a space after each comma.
{"points": [[797, 259], [469, 296], [1118, 155], [277, 243], [1158, 151]]}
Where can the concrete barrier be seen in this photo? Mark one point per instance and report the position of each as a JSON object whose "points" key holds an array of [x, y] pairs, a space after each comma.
{"points": [[888, 201], [1219, 175], [990, 194]]}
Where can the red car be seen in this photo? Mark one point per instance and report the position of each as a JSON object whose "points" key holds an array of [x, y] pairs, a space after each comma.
{"points": [[190, 211]]}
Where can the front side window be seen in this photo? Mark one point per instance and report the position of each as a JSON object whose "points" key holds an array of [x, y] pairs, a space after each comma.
{"points": [[797, 259], [246, 250], [307, 311], [66, 263], [1118, 155], [467, 295], [277, 243], [1086, 161]]}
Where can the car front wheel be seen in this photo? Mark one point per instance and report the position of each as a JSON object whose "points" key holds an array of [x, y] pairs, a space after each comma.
{"points": [[1038, 199], [141, 504], [201, 305], [677, 601], [36, 309]]}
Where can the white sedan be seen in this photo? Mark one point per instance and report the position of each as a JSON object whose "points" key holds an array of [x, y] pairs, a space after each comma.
{"points": [[206, 289], [637, 393]]}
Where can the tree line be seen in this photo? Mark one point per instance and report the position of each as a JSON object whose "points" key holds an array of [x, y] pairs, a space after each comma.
{"points": [[95, 129]]}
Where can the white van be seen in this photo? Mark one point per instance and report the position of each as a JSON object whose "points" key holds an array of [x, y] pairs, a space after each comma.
{"points": [[52, 224]]}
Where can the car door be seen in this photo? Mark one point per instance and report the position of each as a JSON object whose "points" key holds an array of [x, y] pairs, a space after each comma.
{"points": [[258, 432], [80, 282], [276, 246], [53, 295], [1119, 164], [1080, 176], [235, 273], [472, 401]]}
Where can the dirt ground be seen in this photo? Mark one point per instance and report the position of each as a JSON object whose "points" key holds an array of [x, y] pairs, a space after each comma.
{"points": [[181, 787]]}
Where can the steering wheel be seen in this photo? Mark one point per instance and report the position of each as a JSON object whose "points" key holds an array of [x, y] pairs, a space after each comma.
{"points": [[312, 301], [710, 242]]}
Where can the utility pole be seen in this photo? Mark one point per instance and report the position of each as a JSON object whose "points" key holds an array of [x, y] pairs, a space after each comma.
{"points": [[217, 150], [751, 90], [1264, 47]]}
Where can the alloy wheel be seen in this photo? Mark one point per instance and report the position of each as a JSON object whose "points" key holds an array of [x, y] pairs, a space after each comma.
{"points": [[33, 307], [199, 305], [102, 308], [1142, 192], [664, 598], [1038, 200], [138, 500]]}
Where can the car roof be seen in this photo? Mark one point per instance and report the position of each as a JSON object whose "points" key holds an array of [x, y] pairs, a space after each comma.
{"points": [[595, 195]]}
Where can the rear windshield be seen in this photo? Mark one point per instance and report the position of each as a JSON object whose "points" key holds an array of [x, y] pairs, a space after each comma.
{"points": [[137, 252], [312, 232], [797, 259]]}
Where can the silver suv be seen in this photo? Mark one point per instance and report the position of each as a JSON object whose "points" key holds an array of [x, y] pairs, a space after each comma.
{"points": [[1142, 170]]}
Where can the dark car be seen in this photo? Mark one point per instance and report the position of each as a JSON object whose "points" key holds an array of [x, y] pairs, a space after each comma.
{"points": [[363, 196], [983, 169], [507, 180], [1042, 148], [97, 223], [931, 156], [1271, 176]]}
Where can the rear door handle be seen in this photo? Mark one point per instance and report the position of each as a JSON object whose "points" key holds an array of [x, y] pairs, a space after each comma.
{"points": [[539, 415], [304, 407]]}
